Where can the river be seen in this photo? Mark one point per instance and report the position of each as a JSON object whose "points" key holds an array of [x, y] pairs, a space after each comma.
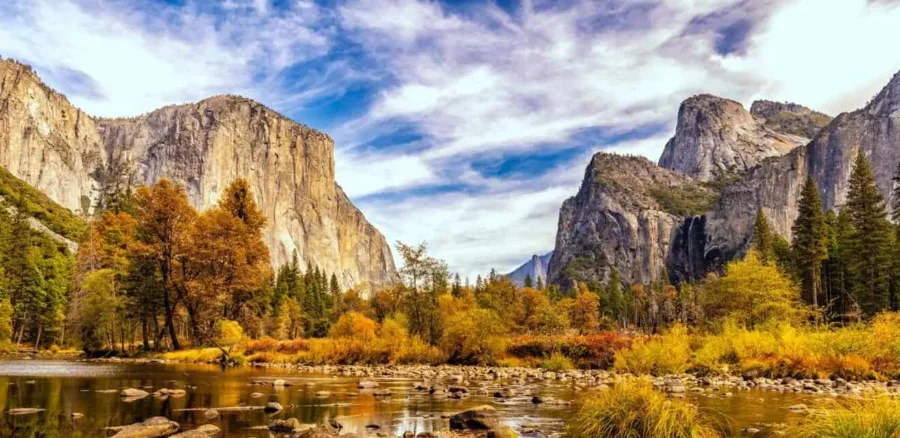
{"points": [[92, 389]]}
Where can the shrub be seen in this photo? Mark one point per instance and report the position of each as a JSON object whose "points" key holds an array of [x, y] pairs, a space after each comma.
{"points": [[588, 351], [557, 362], [473, 336], [633, 409], [874, 419], [666, 354]]}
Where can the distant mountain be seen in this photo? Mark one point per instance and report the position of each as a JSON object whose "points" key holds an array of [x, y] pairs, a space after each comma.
{"points": [[536, 267]]}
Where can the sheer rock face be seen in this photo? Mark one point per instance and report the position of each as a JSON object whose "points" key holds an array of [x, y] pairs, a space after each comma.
{"points": [[717, 138], [204, 146], [618, 221], [44, 140], [776, 184], [611, 223]]}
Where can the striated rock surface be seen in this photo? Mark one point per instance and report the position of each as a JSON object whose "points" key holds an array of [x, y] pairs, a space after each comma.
{"points": [[57, 148], [717, 138], [776, 184], [536, 268], [634, 216]]}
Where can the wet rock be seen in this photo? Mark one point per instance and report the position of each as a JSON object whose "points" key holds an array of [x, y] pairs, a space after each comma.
{"points": [[204, 431], [282, 383], [289, 425], [273, 407], [24, 411], [256, 395], [133, 393], [382, 392], [323, 394], [537, 400], [479, 418], [367, 384], [151, 428]]}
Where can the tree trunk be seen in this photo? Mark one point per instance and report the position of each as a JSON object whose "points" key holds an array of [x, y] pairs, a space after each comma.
{"points": [[144, 333], [169, 309], [37, 342]]}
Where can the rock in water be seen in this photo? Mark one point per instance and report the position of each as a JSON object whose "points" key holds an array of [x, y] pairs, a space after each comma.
{"points": [[24, 411], [204, 431], [59, 149], [151, 428], [273, 407], [367, 384], [479, 418], [289, 425]]}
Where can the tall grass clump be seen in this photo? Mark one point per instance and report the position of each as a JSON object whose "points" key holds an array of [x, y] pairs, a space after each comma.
{"points": [[666, 354], [879, 418], [557, 362], [632, 408]]}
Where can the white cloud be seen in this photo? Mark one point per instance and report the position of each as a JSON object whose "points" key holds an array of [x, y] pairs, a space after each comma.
{"points": [[471, 82], [142, 59]]}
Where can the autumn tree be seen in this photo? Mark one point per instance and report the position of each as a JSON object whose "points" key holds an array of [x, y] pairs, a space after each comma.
{"points": [[164, 220], [751, 293], [584, 310]]}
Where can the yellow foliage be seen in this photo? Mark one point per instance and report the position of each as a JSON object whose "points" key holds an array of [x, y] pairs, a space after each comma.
{"points": [[666, 354]]}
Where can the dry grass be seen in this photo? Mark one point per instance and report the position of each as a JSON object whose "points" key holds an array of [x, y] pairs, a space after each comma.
{"points": [[634, 409], [879, 418]]}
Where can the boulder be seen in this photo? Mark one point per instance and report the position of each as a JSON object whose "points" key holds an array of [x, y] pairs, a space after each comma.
{"points": [[204, 431], [367, 384], [289, 425], [151, 428], [479, 418], [133, 393], [273, 407], [210, 414]]}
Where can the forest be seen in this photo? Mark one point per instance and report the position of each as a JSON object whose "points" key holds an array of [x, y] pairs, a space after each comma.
{"points": [[152, 275]]}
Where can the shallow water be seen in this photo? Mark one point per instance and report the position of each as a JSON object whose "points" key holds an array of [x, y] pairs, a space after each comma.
{"points": [[63, 387]]}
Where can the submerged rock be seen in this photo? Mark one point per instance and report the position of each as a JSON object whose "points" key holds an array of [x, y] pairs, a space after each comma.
{"points": [[151, 428], [24, 411]]}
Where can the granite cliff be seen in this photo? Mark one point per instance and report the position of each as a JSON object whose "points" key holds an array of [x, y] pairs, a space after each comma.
{"points": [[629, 214], [65, 153], [601, 228], [717, 139], [536, 267]]}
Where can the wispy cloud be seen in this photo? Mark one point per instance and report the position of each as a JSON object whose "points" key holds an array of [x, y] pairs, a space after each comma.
{"points": [[464, 125]]}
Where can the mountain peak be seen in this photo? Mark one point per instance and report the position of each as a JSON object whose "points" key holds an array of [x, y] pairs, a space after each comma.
{"points": [[887, 102]]}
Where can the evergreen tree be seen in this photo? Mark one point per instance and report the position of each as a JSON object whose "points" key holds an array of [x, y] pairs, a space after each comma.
{"points": [[528, 281], [540, 283], [762, 240], [810, 242], [869, 243], [456, 290]]}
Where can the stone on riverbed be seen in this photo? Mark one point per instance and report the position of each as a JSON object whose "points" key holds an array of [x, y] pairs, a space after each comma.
{"points": [[205, 431], [132, 394], [367, 384], [24, 411], [289, 425], [211, 414], [151, 428], [273, 407], [479, 418]]}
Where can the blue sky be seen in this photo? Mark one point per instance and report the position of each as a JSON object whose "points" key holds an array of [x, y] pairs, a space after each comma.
{"points": [[462, 123]]}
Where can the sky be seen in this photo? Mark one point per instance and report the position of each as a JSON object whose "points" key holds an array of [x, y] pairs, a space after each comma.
{"points": [[465, 124]]}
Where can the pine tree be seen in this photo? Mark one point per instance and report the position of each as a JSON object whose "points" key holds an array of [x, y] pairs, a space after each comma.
{"points": [[540, 283], [869, 243], [528, 281], [810, 242], [762, 240]]}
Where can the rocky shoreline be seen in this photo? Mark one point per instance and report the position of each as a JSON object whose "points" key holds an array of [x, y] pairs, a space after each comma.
{"points": [[676, 385]]}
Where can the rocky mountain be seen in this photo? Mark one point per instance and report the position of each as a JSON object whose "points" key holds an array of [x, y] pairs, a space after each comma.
{"points": [[536, 268], [65, 153], [717, 139], [612, 222], [775, 185], [629, 214]]}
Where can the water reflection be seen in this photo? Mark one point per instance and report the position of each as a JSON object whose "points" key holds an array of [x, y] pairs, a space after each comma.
{"points": [[64, 388]]}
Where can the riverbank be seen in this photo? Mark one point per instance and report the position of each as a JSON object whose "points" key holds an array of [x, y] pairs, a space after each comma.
{"points": [[676, 385]]}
